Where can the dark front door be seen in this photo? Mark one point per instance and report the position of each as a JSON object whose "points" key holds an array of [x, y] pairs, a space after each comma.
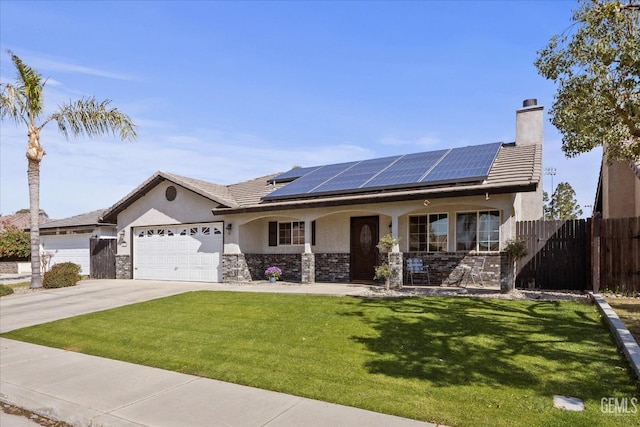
{"points": [[364, 252]]}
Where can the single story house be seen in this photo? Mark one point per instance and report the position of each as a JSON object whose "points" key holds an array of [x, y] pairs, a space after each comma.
{"points": [[69, 239], [448, 208], [20, 221]]}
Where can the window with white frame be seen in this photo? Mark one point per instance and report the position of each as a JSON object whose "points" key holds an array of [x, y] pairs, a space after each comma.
{"points": [[291, 233], [429, 233], [478, 231]]}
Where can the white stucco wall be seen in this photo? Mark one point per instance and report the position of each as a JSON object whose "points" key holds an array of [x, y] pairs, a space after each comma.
{"points": [[154, 209], [333, 224]]}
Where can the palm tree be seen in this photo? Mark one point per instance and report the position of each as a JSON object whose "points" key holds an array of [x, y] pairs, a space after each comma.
{"points": [[23, 103]]}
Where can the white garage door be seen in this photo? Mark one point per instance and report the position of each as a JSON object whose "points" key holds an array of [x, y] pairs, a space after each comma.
{"points": [[191, 252], [68, 248]]}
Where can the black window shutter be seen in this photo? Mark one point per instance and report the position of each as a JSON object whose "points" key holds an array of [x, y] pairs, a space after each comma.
{"points": [[313, 233], [273, 233]]}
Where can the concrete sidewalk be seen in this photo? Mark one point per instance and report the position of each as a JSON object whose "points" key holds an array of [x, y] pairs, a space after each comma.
{"points": [[90, 391]]}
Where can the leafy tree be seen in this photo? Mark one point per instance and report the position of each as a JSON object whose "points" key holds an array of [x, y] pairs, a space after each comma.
{"points": [[547, 206], [597, 70], [563, 204], [23, 102], [14, 243]]}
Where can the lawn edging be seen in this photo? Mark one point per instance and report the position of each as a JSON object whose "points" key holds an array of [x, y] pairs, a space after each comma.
{"points": [[620, 332]]}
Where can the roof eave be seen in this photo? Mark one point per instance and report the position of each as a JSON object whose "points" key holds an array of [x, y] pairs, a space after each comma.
{"points": [[433, 193], [111, 215]]}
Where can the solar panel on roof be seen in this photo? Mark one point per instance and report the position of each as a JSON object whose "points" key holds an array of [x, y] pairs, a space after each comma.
{"points": [[462, 164], [294, 173], [306, 183], [409, 169], [357, 175]]}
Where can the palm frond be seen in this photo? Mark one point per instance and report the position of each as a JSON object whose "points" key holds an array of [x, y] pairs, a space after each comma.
{"points": [[30, 86], [89, 117], [11, 104]]}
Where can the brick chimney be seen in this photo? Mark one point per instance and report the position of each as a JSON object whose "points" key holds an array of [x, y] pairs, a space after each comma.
{"points": [[529, 120]]}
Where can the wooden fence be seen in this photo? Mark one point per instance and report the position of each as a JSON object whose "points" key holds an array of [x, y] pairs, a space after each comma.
{"points": [[558, 254], [598, 254], [103, 258], [617, 255]]}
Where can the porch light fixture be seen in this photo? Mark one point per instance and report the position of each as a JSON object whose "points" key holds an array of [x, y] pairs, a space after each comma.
{"points": [[121, 234], [486, 196], [426, 203], [229, 227]]}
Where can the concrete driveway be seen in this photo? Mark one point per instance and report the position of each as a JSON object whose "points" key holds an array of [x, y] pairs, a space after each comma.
{"points": [[19, 311]]}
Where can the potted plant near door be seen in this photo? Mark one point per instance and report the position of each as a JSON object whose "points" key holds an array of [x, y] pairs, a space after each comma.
{"points": [[384, 270], [273, 273]]}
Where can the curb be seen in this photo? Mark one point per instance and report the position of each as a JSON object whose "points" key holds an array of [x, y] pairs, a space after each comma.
{"points": [[620, 332]]}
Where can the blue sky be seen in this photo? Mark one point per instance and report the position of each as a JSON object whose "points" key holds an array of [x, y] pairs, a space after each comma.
{"points": [[229, 91]]}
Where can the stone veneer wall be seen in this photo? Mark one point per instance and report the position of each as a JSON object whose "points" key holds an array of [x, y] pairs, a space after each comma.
{"points": [[290, 264], [8, 267], [123, 267], [333, 267], [446, 267]]}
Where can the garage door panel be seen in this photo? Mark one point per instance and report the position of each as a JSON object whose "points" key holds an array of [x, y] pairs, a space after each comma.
{"points": [[178, 253]]}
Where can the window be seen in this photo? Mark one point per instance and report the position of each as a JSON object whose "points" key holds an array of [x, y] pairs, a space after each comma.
{"points": [[291, 233], [489, 231], [478, 231], [287, 233], [429, 233]]}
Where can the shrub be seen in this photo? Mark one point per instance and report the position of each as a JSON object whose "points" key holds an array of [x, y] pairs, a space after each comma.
{"points": [[14, 243], [61, 275], [516, 249], [387, 242], [5, 290]]}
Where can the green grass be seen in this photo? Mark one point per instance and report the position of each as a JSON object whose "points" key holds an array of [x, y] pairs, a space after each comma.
{"points": [[455, 361], [19, 285], [628, 309]]}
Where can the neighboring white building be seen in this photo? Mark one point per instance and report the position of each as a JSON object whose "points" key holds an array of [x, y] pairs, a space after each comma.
{"points": [[68, 240], [323, 223]]}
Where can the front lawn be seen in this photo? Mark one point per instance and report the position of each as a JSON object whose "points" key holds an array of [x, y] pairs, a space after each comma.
{"points": [[455, 361]]}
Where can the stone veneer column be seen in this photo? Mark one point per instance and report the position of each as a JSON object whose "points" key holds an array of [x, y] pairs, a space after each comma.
{"points": [[395, 262], [235, 268], [123, 267], [308, 272]]}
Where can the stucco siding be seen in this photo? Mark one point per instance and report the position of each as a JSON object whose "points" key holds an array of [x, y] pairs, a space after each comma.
{"points": [[621, 191], [333, 224], [155, 209]]}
